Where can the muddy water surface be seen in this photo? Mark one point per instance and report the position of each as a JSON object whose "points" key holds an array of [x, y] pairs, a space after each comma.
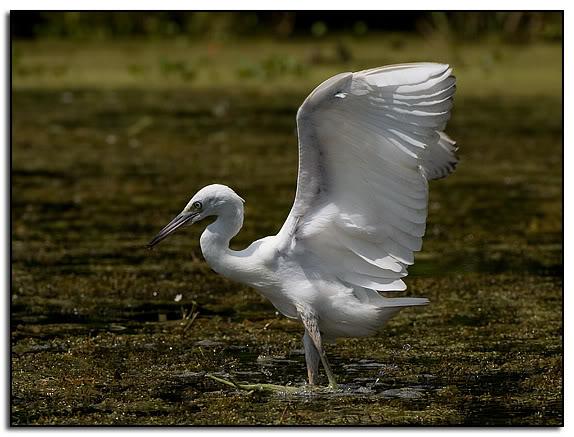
{"points": [[107, 332]]}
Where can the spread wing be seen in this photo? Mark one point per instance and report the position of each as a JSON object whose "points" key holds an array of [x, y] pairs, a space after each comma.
{"points": [[368, 144]]}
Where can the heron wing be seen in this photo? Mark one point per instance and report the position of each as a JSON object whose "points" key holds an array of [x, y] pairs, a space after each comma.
{"points": [[368, 143]]}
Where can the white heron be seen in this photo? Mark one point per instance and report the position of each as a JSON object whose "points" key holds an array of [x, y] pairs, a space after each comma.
{"points": [[369, 142]]}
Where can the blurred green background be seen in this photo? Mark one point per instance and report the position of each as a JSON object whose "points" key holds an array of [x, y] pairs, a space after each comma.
{"points": [[216, 49], [518, 27], [118, 118]]}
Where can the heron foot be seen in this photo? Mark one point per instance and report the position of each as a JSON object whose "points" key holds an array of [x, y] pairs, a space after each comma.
{"points": [[270, 388], [256, 387]]}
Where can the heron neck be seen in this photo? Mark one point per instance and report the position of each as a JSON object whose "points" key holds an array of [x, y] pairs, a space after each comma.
{"points": [[215, 240]]}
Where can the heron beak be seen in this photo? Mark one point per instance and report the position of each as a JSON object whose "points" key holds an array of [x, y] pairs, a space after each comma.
{"points": [[180, 220]]}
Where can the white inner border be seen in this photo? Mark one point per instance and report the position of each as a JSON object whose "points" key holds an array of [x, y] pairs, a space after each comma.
{"points": [[286, 5]]}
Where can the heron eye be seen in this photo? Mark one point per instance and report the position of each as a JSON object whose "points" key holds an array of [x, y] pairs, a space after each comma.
{"points": [[197, 205]]}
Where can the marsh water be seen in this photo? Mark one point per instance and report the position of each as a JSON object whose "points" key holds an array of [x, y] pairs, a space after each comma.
{"points": [[104, 331]]}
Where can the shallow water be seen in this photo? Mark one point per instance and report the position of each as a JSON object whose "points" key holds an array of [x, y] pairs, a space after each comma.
{"points": [[98, 336]]}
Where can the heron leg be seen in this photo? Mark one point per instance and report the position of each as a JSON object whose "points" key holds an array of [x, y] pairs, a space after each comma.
{"points": [[312, 358], [313, 333]]}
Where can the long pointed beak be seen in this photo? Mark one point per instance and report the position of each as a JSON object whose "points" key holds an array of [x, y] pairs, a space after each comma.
{"points": [[179, 220]]}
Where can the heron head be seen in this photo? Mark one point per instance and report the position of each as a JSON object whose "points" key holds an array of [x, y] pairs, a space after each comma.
{"points": [[212, 200]]}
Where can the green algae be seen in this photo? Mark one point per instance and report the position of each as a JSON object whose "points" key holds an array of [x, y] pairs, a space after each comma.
{"points": [[98, 336]]}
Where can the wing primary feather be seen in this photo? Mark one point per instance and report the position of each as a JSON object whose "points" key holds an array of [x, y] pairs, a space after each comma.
{"points": [[369, 142]]}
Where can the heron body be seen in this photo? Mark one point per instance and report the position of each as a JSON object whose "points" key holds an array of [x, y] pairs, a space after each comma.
{"points": [[369, 142]]}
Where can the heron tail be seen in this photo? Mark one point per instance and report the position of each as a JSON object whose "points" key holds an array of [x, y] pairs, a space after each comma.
{"points": [[392, 305]]}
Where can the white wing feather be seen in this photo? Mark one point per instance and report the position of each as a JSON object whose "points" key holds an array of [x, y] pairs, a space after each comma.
{"points": [[368, 143]]}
